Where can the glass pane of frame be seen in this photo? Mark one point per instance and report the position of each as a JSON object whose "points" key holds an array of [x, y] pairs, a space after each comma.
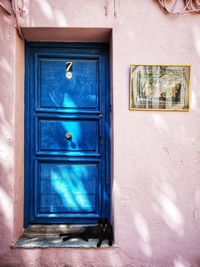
{"points": [[160, 87]]}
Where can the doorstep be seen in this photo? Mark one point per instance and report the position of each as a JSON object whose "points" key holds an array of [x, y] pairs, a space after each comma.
{"points": [[47, 236]]}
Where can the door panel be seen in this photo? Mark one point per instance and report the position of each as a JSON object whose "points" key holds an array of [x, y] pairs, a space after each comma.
{"points": [[81, 91], [52, 136], [67, 154], [64, 187]]}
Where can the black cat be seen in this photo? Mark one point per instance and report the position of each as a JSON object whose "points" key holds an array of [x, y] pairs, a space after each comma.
{"points": [[101, 231]]}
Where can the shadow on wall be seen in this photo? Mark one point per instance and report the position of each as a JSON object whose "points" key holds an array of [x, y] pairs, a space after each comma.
{"points": [[160, 202], [6, 138], [6, 158], [45, 9], [61, 13], [160, 197]]}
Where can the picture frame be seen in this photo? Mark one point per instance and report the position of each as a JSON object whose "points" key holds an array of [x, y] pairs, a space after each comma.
{"points": [[160, 87]]}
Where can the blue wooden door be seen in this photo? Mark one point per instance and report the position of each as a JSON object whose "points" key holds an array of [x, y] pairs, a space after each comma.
{"points": [[67, 151]]}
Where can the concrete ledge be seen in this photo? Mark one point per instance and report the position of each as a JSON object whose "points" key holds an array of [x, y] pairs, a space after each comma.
{"points": [[47, 236], [55, 242]]}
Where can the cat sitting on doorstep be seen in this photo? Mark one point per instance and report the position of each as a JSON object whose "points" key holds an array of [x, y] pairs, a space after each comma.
{"points": [[101, 231]]}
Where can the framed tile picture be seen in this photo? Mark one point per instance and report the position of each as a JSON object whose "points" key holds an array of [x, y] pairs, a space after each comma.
{"points": [[160, 87]]}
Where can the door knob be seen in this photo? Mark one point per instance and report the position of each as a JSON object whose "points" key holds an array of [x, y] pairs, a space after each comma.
{"points": [[68, 136]]}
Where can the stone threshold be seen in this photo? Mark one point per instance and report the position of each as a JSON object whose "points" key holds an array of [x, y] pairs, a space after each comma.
{"points": [[47, 236]]}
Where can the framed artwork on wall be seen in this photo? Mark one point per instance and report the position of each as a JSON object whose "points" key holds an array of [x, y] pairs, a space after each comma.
{"points": [[160, 87]]}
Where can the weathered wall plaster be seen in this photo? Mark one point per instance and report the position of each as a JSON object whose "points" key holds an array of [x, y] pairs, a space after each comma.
{"points": [[156, 155]]}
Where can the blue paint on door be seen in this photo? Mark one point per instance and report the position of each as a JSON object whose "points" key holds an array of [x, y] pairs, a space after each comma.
{"points": [[67, 133]]}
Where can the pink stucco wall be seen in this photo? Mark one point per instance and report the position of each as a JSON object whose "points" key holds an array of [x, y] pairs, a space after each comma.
{"points": [[156, 155]]}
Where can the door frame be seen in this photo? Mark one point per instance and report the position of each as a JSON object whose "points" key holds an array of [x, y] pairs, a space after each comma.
{"points": [[29, 85]]}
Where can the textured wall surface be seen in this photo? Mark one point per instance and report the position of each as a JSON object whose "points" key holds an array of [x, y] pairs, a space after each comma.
{"points": [[156, 155]]}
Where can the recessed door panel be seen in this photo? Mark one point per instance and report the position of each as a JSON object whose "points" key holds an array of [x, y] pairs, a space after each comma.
{"points": [[83, 136], [80, 91], [68, 187]]}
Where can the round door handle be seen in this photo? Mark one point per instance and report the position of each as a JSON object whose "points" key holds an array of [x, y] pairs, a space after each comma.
{"points": [[68, 136]]}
